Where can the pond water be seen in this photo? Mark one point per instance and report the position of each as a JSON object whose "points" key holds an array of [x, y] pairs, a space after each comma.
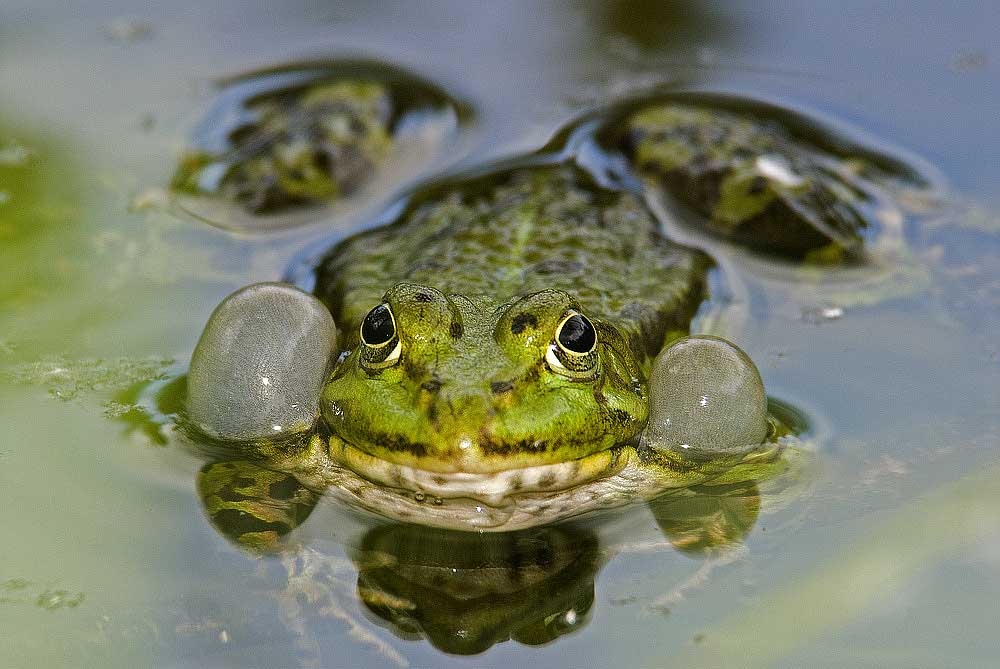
{"points": [[889, 558]]}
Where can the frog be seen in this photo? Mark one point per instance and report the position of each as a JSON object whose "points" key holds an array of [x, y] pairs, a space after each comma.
{"points": [[517, 345], [496, 362], [284, 140], [515, 357]]}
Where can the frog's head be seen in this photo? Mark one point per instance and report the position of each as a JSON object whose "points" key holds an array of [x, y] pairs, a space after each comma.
{"points": [[447, 383]]}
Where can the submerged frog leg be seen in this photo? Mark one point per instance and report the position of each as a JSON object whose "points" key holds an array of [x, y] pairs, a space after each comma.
{"points": [[252, 506], [259, 366], [320, 143], [770, 181], [703, 521]]}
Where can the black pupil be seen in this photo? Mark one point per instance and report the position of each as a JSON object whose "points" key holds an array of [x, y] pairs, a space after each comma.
{"points": [[577, 334], [377, 327]]}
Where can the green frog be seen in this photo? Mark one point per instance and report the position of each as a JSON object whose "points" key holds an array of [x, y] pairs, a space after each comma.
{"points": [[513, 349]]}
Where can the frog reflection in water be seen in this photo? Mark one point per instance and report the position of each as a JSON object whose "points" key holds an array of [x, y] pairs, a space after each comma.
{"points": [[463, 592], [511, 349]]}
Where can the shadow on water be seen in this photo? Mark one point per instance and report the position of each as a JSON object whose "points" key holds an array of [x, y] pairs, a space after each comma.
{"points": [[109, 560]]}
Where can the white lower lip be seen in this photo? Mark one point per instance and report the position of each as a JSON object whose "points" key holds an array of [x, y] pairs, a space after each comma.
{"points": [[492, 488]]}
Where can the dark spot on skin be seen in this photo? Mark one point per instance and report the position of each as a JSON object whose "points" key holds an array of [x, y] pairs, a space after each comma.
{"points": [[414, 371], [639, 345], [620, 416], [284, 489], [243, 482], [655, 457], [757, 185], [423, 297], [516, 483], [522, 321], [400, 444], [440, 480], [431, 385], [600, 398], [547, 481], [237, 523], [230, 495], [455, 330], [498, 387], [612, 462], [491, 447]]}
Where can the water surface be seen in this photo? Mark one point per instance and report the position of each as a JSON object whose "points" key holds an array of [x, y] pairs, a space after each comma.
{"points": [[892, 558]]}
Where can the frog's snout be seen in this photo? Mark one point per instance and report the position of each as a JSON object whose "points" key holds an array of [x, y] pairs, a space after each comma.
{"points": [[454, 404]]}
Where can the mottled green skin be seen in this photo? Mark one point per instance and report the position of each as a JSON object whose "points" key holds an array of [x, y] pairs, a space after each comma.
{"points": [[314, 145], [252, 505], [809, 204], [478, 281]]}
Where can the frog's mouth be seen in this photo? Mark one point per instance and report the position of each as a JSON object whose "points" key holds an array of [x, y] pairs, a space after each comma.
{"points": [[493, 488]]}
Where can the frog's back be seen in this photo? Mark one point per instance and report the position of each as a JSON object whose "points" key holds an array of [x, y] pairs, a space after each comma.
{"points": [[522, 232]]}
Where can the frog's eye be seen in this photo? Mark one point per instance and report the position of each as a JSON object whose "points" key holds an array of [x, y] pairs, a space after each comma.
{"points": [[573, 352], [381, 341]]}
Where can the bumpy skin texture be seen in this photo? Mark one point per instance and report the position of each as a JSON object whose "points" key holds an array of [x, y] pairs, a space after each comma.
{"points": [[751, 180], [478, 281], [317, 144]]}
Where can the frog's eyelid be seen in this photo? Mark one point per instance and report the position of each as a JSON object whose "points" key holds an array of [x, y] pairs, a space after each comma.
{"points": [[388, 360], [393, 354], [582, 372]]}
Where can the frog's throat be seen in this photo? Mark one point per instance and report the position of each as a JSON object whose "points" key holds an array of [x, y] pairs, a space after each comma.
{"points": [[492, 488]]}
